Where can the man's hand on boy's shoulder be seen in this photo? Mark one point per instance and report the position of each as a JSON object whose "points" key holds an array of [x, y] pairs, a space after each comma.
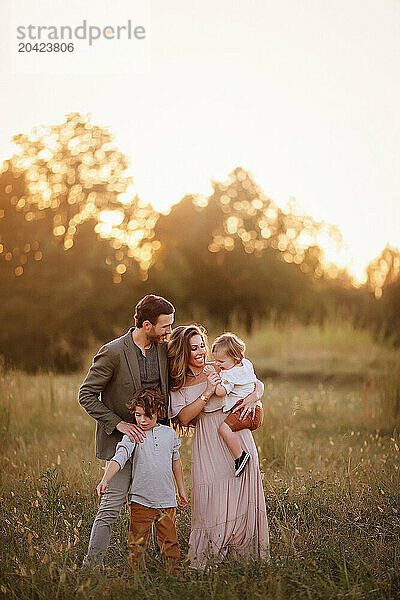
{"points": [[133, 431]]}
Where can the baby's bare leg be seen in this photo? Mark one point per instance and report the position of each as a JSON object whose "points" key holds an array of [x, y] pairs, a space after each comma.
{"points": [[231, 439]]}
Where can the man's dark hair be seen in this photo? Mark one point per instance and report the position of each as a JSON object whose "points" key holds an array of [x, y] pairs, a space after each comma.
{"points": [[151, 400], [150, 308]]}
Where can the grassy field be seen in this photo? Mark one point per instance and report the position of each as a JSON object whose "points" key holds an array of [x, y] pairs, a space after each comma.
{"points": [[329, 451]]}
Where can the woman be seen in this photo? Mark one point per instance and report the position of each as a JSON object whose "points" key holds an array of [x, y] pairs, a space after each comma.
{"points": [[228, 512]]}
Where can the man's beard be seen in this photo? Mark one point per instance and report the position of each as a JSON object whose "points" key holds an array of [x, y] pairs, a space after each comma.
{"points": [[153, 337]]}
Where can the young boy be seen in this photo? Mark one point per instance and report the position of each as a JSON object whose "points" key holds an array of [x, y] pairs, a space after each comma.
{"points": [[152, 493]]}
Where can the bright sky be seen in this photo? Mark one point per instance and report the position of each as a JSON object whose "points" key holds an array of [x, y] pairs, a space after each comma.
{"points": [[302, 93]]}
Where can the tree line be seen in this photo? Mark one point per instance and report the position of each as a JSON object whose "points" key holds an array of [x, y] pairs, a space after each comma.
{"points": [[78, 248]]}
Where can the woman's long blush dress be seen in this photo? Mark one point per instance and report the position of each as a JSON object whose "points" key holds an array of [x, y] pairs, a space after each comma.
{"points": [[228, 512]]}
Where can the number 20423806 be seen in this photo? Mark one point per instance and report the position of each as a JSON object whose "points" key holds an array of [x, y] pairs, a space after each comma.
{"points": [[45, 47]]}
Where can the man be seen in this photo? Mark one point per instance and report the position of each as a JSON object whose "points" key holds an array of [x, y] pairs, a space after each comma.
{"points": [[121, 367]]}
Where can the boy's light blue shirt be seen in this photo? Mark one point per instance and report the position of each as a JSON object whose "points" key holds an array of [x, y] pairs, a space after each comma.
{"points": [[152, 482]]}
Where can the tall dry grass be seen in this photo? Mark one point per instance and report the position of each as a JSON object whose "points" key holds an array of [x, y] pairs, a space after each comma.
{"points": [[331, 479], [334, 349]]}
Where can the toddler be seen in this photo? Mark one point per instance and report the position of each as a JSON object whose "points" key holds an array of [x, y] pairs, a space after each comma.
{"points": [[237, 381], [152, 493]]}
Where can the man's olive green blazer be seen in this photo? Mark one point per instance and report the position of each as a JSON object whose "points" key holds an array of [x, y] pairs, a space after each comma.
{"points": [[111, 380]]}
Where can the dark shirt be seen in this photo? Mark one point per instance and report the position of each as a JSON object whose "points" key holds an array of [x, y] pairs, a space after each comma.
{"points": [[148, 366], [150, 370]]}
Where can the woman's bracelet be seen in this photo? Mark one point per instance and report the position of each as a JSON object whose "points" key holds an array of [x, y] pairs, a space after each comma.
{"points": [[204, 398]]}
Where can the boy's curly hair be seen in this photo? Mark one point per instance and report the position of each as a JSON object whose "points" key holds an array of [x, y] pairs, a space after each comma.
{"points": [[151, 400]]}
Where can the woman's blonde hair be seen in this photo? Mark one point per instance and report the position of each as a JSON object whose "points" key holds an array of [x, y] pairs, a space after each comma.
{"points": [[233, 346], [179, 352]]}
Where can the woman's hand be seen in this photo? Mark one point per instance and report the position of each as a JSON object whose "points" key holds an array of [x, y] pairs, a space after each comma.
{"points": [[191, 411], [248, 404], [213, 379], [209, 369]]}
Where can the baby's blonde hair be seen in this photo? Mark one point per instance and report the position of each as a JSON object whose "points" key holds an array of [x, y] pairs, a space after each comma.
{"points": [[233, 346]]}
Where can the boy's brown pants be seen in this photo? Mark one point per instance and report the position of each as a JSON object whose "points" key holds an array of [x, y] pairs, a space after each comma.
{"points": [[142, 518]]}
